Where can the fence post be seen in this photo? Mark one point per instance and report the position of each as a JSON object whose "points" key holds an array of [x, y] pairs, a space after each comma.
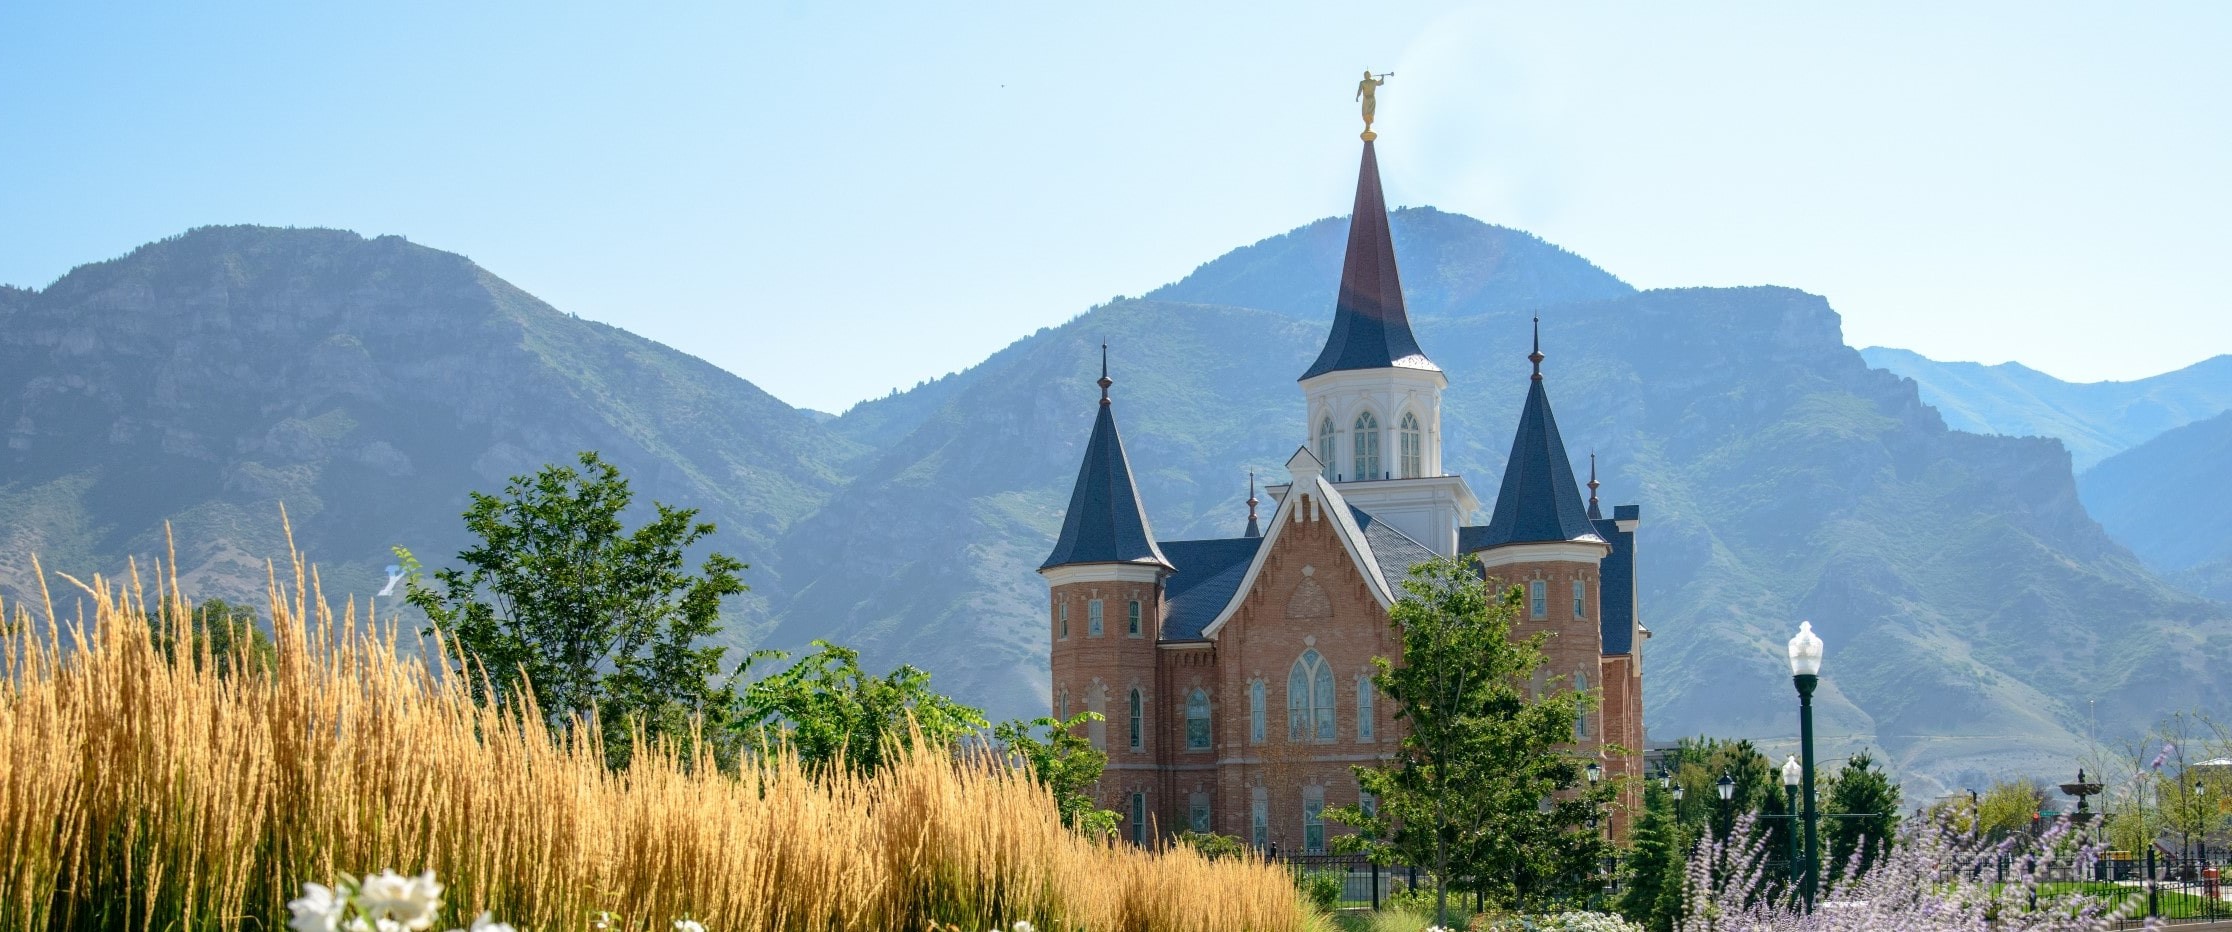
{"points": [[2153, 907], [1375, 886]]}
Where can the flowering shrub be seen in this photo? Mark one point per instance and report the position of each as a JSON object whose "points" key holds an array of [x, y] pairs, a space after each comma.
{"points": [[383, 902], [1572, 921], [1935, 878]]}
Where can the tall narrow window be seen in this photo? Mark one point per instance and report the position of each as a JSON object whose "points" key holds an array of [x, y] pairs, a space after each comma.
{"points": [[1061, 615], [1325, 444], [1369, 803], [1197, 812], [1580, 599], [1131, 623], [1538, 600], [1581, 721], [1061, 706], [1093, 618], [1259, 817], [1139, 818], [1255, 712], [1414, 447], [1367, 446], [1138, 714], [1310, 699], [1197, 721], [1313, 820], [1364, 724]]}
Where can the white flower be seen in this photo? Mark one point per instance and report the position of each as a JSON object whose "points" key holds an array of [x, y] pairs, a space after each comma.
{"points": [[410, 901], [602, 921], [688, 925], [486, 922], [317, 911], [385, 925], [1021, 926]]}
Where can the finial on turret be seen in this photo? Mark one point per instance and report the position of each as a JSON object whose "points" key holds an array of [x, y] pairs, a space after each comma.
{"points": [[1536, 356], [1594, 512], [1104, 382], [1253, 529]]}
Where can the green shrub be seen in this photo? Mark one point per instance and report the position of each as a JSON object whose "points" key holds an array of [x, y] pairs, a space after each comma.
{"points": [[1323, 889]]}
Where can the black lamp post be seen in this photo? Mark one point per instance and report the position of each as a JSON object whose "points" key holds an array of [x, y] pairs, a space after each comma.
{"points": [[1805, 672], [1792, 773]]}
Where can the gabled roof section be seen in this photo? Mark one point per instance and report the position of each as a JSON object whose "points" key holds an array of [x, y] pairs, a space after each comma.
{"points": [[1209, 572], [1539, 501], [1370, 328], [1394, 550], [1327, 505], [1105, 523]]}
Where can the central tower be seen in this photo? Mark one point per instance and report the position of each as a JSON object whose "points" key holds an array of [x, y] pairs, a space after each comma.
{"points": [[1374, 399]]}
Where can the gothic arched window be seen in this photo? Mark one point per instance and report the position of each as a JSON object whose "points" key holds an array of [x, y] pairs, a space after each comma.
{"points": [[1367, 446], [1255, 712], [1414, 447], [1138, 724], [1310, 699], [1197, 721], [1581, 719], [1325, 442], [1538, 599]]}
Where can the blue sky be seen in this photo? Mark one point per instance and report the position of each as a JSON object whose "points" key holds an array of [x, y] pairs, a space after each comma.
{"points": [[836, 200]]}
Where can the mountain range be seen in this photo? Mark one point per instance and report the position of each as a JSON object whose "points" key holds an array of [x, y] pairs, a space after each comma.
{"points": [[1971, 604], [2095, 420]]}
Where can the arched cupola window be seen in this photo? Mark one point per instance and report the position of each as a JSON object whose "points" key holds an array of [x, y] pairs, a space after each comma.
{"points": [[1138, 723], [1581, 721], [1414, 447], [1325, 444], [1310, 699], [1367, 446]]}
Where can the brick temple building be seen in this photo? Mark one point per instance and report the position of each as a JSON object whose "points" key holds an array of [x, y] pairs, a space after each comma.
{"points": [[1233, 675]]}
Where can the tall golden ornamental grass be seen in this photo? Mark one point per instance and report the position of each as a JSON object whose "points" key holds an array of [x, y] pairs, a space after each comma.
{"points": [[145, 791]]}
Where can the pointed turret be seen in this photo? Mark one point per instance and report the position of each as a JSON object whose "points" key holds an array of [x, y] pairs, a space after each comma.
{"points": [[1539, 501], [1105, 523], [1254, 530], [1370, 328], [1595, 513]]}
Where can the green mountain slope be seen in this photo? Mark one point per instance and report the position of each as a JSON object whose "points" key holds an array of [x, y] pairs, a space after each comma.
{"points": [[368, 385], [2095, 420], [2166, 498], [1969, 598]]}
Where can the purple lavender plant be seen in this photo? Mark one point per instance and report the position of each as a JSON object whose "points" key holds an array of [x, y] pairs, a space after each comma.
{"points": [[1935, 879]]}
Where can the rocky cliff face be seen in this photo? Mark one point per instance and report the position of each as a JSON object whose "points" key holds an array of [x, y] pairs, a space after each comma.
{"points": [[367, 385]]}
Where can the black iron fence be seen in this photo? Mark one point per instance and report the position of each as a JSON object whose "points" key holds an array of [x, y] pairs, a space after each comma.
{"points": [[1363, 883]]}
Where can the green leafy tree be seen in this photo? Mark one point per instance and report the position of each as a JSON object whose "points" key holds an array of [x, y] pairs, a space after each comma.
{"points": [[1483, 786], [2009, 807], [1067, 764], [1654, 861], [834, 714], [227, 631], [1865, 794], [559, 603]]}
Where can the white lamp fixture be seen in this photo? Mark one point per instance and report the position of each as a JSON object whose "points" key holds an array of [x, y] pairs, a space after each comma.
{"points": [[1805, 651], [1595, 772], [1727, 788], [1792, 772]]}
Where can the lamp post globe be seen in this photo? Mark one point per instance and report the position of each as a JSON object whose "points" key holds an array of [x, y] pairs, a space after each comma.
{"points": [[1726, 786], [1805, 673], [1792, 771], [1677, 792], [1595, 772]]}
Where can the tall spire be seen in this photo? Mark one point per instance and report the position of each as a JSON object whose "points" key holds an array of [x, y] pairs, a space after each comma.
{"points": [[1253, 529], [1594, 513], [1539, 501], [1105, 522], [1370, 328]]}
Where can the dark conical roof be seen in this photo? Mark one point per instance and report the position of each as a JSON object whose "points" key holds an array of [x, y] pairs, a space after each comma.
{"points": [[1105, 523], [1370, 328], [1539, 501]]}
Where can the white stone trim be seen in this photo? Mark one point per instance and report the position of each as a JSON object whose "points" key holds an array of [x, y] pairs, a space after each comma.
{"points": [[1586, 550], [1102, 573], [1324, 501]]}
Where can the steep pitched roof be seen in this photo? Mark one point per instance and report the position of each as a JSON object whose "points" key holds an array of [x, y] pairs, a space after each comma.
{"points": [[1393, 550], [1370, 328], [1105, 523], [1616, 586], [1209, 572], [1539, 500]]}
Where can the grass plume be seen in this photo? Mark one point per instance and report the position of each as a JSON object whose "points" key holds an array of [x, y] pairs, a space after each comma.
{"points": [[149, 791]]}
